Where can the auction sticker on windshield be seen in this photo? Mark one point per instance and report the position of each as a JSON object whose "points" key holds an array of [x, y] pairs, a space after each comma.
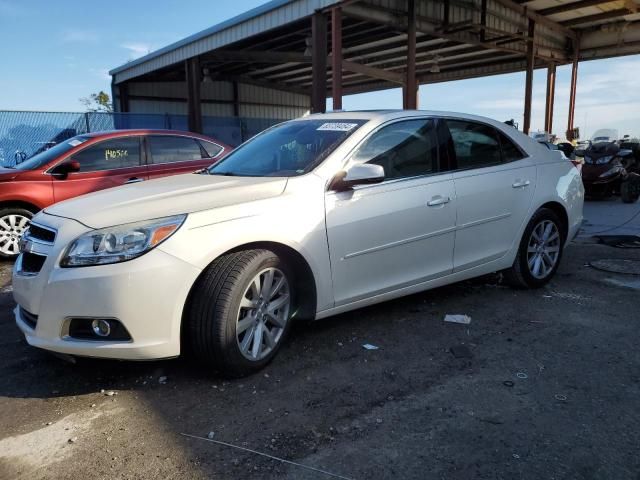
{"points": [[337, 127]]}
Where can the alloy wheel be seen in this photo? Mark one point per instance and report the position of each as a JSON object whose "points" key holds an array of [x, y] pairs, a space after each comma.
{"points": [[543, 249], [12, 227], [263, 314]]}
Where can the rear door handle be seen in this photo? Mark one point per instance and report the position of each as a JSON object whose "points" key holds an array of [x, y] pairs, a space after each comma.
{"points": [[521, 183], [438, 200], [134, 180]]}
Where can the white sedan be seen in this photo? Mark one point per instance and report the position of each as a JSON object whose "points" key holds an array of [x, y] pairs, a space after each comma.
{"points": [[311, 218]]}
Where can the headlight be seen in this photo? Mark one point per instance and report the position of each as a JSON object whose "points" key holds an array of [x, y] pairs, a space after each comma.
{"points": [[611, 171], [119, 243], [603, 160]]}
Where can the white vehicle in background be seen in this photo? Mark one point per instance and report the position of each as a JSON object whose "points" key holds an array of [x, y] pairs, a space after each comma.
{"points": [[604, 135], [311, 218]]}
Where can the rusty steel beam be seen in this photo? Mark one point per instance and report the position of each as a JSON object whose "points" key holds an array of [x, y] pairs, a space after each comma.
{"points": [[572, 91], [194, 108], [319, 63], [528, 91], [336, 58], [410, 85], [568, 7], [597, 18], [551, 92]]}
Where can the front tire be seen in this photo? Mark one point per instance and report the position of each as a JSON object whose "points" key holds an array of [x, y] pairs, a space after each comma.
{"points": [[539, 253], [13, 223], [239, 313]]}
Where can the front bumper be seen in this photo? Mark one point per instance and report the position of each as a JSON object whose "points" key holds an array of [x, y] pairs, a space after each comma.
{"points": [[146, 294]]}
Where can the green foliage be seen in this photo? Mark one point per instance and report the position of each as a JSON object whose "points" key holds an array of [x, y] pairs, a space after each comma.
{"points": [[97, 102]]}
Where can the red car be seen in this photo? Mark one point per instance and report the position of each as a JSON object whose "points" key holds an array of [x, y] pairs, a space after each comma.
{"points": [[91, 162]]}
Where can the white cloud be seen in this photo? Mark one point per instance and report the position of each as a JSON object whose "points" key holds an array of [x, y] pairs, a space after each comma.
{"points": [[137, 49]]}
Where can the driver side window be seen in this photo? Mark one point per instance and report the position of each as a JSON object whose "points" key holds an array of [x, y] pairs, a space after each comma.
{"points": [[404, 149]]}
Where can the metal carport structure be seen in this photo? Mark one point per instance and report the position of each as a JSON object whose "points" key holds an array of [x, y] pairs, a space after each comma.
{"points": [[293, 54]]}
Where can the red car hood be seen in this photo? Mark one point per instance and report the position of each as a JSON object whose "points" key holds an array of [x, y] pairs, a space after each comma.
{"points": [[8, 174]]}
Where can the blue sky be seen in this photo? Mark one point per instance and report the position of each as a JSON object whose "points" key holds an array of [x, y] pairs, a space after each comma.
{"points": [[54, 52]]}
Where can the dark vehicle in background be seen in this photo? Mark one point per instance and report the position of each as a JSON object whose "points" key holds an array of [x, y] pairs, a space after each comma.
{"points": [[91, 162], [610, 169]]}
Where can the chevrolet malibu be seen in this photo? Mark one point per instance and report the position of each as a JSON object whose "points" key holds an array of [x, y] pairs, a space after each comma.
{"points": [[311, 218]]}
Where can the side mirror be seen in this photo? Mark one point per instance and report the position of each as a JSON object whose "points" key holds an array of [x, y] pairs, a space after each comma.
{"points": [[62, 170], [359, 174]]}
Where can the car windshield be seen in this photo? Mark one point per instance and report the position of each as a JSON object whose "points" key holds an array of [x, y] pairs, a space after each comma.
{"points": [[46, 156], [287, 150], [601, 139]]}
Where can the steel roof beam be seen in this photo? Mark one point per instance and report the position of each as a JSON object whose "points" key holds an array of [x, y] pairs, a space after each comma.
{"points": [[568, 7], [597, 18]]}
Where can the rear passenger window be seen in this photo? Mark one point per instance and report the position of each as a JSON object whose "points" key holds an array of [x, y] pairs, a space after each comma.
{"points": [[212, 149], [510, 153], [475, 145], [403, 149], [165, 149], [109, 155]]}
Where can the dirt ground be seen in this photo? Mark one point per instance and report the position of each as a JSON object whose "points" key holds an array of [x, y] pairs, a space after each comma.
{"points": [[549, 390]]}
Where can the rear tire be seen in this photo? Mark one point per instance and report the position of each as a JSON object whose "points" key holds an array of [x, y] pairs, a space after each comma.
{"points": [[13, 222], [239, 312], [539, 253]]}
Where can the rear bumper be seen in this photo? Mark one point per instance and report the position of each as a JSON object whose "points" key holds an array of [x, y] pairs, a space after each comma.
{"points": [[146, 294]]}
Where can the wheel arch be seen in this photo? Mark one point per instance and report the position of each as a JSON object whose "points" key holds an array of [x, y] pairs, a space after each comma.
{"points": [[561, 212], [20, 204], [307, 288]]}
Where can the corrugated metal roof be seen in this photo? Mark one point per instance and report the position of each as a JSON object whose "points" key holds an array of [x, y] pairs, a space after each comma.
{"points": [[265, 17]]}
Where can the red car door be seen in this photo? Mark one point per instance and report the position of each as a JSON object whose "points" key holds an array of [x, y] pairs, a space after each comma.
{"points": [[109, 163], [174, 154]]}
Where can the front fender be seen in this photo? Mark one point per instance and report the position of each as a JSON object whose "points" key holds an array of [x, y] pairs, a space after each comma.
{"points": [[207, 235]]}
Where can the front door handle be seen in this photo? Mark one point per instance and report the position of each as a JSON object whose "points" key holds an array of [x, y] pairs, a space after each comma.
{"points": [[134, 180], [521, 183], [438, 200]]}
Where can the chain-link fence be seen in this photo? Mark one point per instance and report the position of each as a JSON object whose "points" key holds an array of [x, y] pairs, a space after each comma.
{"points": [[23, 134]]}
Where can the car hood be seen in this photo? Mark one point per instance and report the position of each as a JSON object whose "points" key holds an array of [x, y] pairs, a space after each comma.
{"points": [[165, 197], [8, 174]]}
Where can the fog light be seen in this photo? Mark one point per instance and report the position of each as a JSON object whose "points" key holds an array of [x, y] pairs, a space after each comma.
{"points": [[101, 328]]}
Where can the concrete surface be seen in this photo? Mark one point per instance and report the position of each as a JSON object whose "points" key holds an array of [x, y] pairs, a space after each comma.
{"points": [[611, 217], [407, 410]]}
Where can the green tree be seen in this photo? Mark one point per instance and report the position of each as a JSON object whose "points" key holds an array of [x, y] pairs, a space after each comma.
{"points": [[98, 102]]}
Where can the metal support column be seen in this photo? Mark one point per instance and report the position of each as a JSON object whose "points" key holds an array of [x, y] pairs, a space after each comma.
{"points": [[236, 100], [319, 63], [528, 92], [551, 93], [572, 92], [123, 98], [336, 57], [410, 85], [194, 108]]}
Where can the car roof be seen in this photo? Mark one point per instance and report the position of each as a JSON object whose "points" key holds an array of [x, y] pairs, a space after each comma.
{"points": [[148, 131], [138, 131], [383, 115]]}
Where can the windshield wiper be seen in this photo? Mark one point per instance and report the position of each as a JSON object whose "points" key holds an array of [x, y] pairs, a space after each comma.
{"points": [[225, 174]]}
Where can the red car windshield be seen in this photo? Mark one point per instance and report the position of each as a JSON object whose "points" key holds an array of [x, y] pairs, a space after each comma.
{"points": [[46, 156]]}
